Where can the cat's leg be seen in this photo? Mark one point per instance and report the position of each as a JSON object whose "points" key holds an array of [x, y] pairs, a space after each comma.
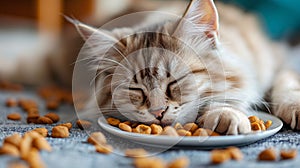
{"points": [[225, 119], [285, 98]]}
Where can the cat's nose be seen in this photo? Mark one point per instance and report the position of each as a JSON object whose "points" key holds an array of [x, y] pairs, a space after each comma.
{"points": [[158, 113]]}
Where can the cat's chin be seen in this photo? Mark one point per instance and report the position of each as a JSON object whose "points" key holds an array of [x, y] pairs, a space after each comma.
{"points": [[152, 122]]}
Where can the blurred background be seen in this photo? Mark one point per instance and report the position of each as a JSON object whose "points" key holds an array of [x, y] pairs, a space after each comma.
{"points": [[35, 38]]}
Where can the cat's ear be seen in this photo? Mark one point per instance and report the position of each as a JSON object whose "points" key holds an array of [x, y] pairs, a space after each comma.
{"points": [[203, 14], [87, 31]]}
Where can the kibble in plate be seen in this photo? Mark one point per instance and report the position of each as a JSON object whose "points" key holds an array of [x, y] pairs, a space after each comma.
{"points": [[143, 129], [268, 123], [192, 127], [156, 129], [137, 152], [96, 138], [14, 116], [259, 125], [288, 154], [60, 132], [178, 126], [182, 162], [168, 130], [267, 155], [183, 132], [200, 132], [125, 127], [54, 117], [113, 121]]}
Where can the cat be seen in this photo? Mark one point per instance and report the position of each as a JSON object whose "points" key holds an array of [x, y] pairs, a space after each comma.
{"points": [[193, 69]]}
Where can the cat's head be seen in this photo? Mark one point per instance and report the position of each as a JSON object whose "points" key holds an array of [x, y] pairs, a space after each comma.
{"points": [[156, 73]]}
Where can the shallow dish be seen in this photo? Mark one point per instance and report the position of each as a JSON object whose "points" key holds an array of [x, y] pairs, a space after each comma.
{"points": [[199, 142]]}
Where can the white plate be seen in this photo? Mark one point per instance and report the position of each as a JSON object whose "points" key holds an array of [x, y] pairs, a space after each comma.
{"points": [[199, 142]]}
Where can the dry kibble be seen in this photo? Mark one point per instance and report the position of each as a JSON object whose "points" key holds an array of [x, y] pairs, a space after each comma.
{"points": [[178, 126], [25, 145], [138, 152], [127, 122], [183, 132], [9, 149], [262, 125], [33, 118], [168, 130], [192, 127], [156, 129], [68, 125], [10, 102], [14, 116], [125, 127], [200, 132], [290, 154], [96, 138], [268, 123], [60, 132], [253, 119], [52, 104], [182, 162], [44, 120], [235, 153], [83, 124], [143, 129], [41, 131], [267, 155], [105, 149], [41, 144], [17, 165], [212, 133], [255, 126], [146, 162], [113, 121], [219, 156], [54, 117], [34, 159], [14, 139]]}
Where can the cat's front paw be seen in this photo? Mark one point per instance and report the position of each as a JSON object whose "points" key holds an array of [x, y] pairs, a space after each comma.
{"points": [[290, 114], [225, 120]]}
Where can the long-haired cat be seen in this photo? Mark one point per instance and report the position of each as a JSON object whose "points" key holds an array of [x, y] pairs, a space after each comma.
{"points": [[193, 69]]}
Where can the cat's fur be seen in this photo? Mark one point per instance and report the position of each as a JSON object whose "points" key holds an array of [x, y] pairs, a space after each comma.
{"points": [[210, 75]]}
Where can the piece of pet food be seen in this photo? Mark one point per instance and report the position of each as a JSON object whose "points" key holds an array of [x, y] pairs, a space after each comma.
{"points": [[60, 132], [137, 152], [54, 117], [113, 121], [68, 125], [83, 124], [288, 154], [125, 127], [143, 129], [192, 127], [168, 130], [44, 120], [14, 116], [104, 149], [41, 131], [96, 138], [267, 155], [148, 162], [183, 132], [10, 102], [182, 162], [219, 156], [156, 129]]}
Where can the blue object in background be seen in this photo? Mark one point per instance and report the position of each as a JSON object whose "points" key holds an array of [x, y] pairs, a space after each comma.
{"points": [[281, 18]]}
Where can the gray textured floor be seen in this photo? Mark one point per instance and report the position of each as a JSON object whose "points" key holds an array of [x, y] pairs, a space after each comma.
{"points": [[75, 152]]}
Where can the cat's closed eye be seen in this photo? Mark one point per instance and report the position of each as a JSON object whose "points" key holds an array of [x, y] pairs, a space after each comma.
{"points": [[173, 91], [136, 96]]}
